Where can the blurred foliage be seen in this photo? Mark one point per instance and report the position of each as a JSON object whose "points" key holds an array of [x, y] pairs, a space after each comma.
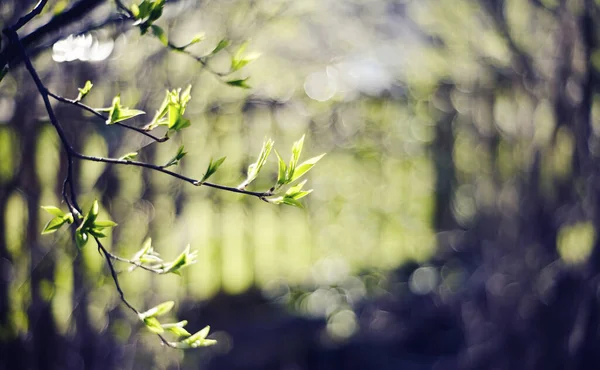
{"points": [[434, 114]]}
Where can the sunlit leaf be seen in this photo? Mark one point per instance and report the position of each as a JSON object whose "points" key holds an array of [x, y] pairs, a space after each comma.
{"points": [[305, 166], [220, 46], [158, 310], [53, 225], [178, 156], [129, 156], [84, 90], [55, 211], [282, 172], [213, 166], [177, 328], [153, 325], [254, 168], [118, 113], [104, 224]]}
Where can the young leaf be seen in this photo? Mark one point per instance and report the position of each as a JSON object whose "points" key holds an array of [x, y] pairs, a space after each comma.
{"points": [[282, 173], [296, 150], [305, 166], [160, 113], [292, 202], [255, 167], [104, 224], [53, 225], [183, 260], [238, 62], [239, 83], [158, 310], [84, 90], [81, 238], [129, 156], [220, 46], [146, 248], [199, 339], [55, 211], [96, 233], [175, 160], [160, 34], [177, 328], [198, 38], [118, 113], [212, 168], [153, 325]]}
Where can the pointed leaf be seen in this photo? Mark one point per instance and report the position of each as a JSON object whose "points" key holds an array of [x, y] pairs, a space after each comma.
{"points": [[282, 173], [129, 156], [55, 211], [84, 90], [254, 168], [158, 310], [104, 224], [153, 325], [239, 83], [53, 225], [160, 34], [213, 166], [220, 46], [305, 166]]}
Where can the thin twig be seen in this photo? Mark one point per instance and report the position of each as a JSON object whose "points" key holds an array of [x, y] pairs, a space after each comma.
{"points": [[29, 16], [115, 278], [104, 118]]}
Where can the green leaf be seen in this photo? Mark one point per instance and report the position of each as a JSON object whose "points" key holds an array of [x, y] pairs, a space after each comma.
{"points": [[213, 166], [255, 167], [158, 310], [53, 225], [84, 90], [104, 224], [146, 248], [185, 259], [198, 38], [55, 211], [129, 156], [292, 202], [296, 150], [93, 212], [160, 113], [96, 233], [282, 173], [199, 339], [160, 34], [177, 328], [175, 160], [239, 83], [153, 325], [81, 238], [305, 166], [220, 46], [238, 62], [118, 113]]}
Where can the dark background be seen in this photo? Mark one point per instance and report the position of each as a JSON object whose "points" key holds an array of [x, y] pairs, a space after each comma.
{"points": [[454, 219]]}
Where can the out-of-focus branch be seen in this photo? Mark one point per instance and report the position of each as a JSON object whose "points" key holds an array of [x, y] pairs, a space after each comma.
{"points": [[29, 16]]}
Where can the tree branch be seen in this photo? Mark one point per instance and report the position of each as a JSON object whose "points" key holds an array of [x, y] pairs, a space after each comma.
{"points": [[104, 118], [29, 16]]}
